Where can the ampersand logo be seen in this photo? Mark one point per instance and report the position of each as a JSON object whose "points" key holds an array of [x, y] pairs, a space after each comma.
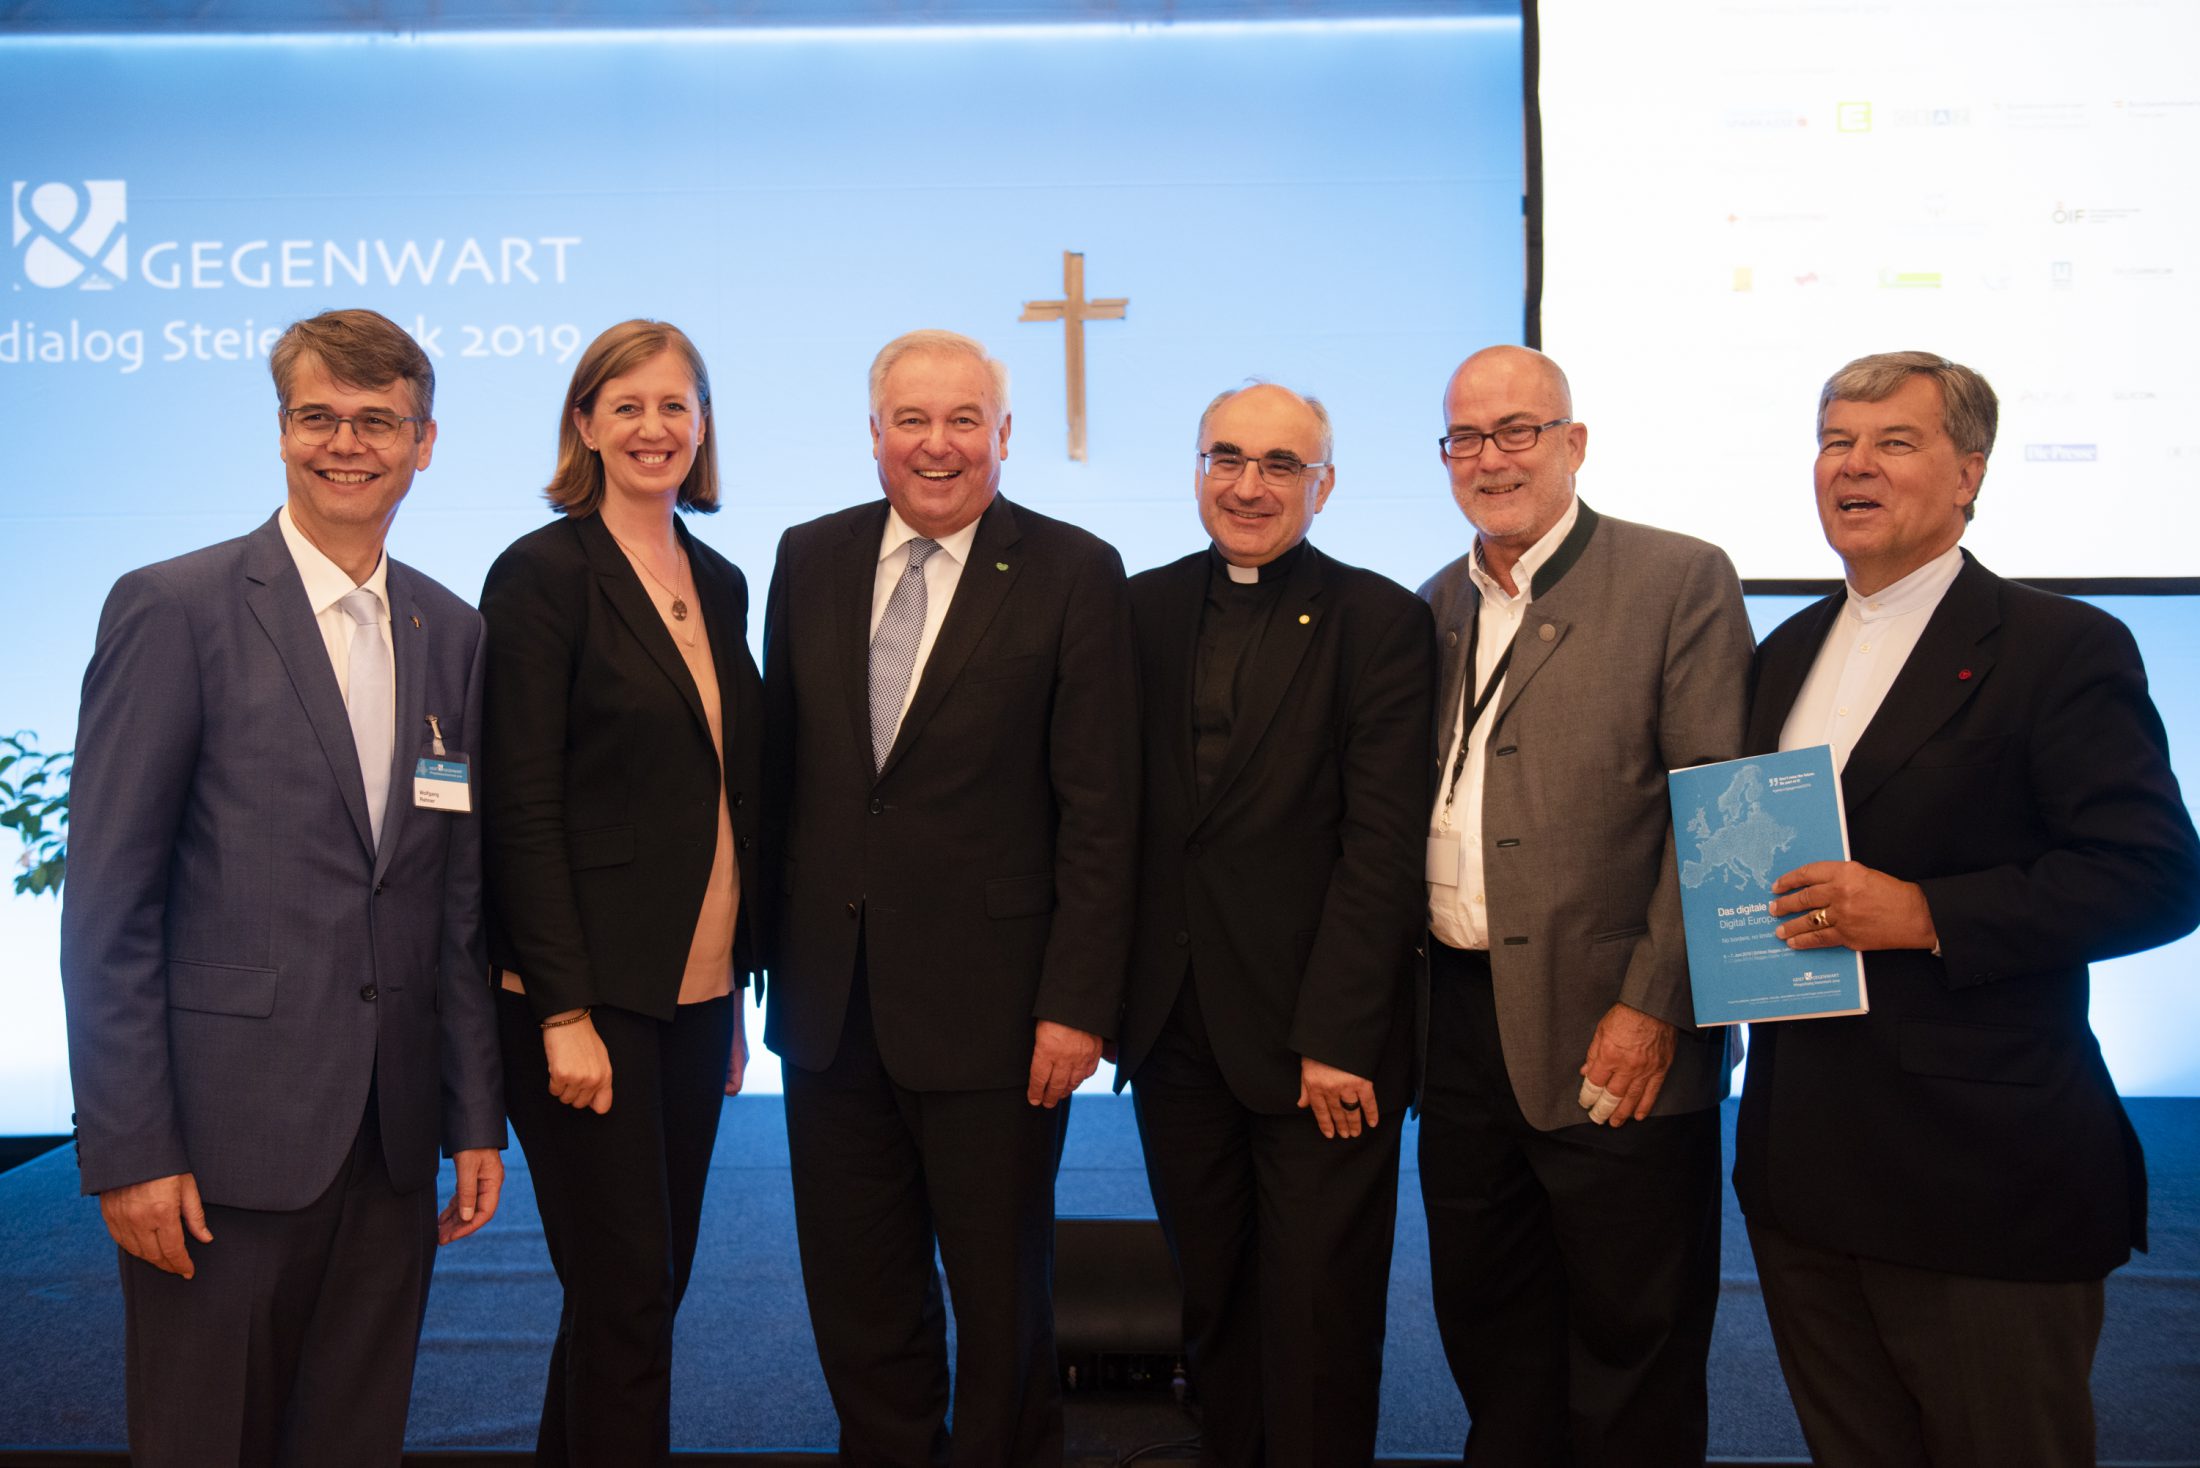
{"points": [[71, 233]]}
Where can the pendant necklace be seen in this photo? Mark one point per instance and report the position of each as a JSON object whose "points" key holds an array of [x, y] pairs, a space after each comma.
{"points": [[679, 603]]}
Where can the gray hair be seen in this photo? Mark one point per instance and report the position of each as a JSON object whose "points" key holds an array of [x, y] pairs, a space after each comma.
{"points": [[932, 340], [1314, 405], [1969, 411]]}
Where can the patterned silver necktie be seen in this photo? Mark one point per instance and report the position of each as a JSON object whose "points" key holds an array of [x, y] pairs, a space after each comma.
{"points": [[894, 650]]}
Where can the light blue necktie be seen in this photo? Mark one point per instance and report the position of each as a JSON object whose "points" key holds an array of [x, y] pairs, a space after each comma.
{"points": [[894, 650], [371, 698]]}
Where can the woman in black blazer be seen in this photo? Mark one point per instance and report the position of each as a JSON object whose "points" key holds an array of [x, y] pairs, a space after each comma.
{"points": [[620, 767]]}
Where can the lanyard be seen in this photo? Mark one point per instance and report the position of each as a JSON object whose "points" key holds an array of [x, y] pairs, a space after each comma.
{"points": [[1475, 710]]}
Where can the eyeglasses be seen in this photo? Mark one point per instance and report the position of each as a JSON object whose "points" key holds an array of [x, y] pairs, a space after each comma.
{"points": [[316, 426], [1513, 438], [1276, 473]]}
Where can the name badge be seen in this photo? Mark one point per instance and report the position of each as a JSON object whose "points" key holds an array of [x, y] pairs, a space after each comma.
{"points": [[443, 782], [1443, 860]]}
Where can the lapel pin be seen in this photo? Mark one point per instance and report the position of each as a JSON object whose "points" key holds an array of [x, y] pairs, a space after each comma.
{"points": [[1964, 674], [416, 624], [1000, 565], [1304, 619], [1547, 632]]}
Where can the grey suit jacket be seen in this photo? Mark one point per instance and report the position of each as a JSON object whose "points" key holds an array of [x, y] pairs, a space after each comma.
{"points": [[238, 960], [1632, 660]]}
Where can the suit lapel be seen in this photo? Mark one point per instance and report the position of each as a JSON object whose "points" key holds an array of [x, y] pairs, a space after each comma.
{"points": [[984, 585], [622, 587], [1781, 668], [854, 584], [1942, 673], [277, 597], [409, 645], [719, 606], [1538, 637], [1292, 623], [1184, 595]]}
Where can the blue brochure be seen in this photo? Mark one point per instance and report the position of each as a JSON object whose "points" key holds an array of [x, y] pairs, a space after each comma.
{"points": [[1737, 825]]}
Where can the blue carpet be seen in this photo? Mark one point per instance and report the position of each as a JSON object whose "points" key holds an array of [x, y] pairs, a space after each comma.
{"points": [[747, 1377]]}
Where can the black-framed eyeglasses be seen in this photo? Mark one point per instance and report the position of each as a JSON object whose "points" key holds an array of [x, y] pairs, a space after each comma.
{"points": [[1513, 438], [1276, 473], [316, 426]]}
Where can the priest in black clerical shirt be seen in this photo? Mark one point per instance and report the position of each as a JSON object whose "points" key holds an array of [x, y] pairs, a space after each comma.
{"points": [[1269, 1024]]}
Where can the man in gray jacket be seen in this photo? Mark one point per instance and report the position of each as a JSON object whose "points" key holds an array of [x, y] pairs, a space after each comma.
{"points": [[1569, 1142]]}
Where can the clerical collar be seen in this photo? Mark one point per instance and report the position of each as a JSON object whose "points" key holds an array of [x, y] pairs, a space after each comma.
{"points": [[1275, 570]]}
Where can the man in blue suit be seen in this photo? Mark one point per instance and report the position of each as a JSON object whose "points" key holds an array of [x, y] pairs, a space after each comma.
{"points": [[278, 1004]]}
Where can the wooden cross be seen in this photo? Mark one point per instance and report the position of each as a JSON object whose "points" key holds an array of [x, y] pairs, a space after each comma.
{"points": [[1073, 311]]}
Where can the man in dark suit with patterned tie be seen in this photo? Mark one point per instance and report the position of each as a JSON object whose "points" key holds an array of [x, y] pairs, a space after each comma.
{"points": [[951, 786], [271, 948], [1935, 1190], [1269, 1027]]}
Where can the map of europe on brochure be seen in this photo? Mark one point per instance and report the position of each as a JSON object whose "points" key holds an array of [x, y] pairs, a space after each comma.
{"points": [[1737, 826]]}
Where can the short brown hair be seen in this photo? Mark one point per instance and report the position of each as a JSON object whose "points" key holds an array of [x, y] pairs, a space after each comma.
{"points": [[360, 349], [577, 486], [1969, 412]]}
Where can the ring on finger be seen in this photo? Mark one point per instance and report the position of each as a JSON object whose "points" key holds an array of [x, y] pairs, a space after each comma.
{"points": [[1821, 917]]}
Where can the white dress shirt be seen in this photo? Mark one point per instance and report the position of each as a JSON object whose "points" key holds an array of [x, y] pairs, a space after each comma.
{"points": [[1459, 915], [1870, 641], [942, 573], [327, 584]]}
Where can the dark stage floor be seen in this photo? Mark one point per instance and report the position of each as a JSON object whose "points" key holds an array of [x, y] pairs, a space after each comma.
{"points": [[747, 1378]]}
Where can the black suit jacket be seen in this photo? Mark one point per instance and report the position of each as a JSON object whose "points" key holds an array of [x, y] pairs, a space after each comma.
{"points": [[600, 780], [2018, 772], [1293, 891], [987, 868]]}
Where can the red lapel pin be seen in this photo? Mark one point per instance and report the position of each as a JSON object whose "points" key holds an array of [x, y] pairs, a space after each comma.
{"points": [[1964, 674]]}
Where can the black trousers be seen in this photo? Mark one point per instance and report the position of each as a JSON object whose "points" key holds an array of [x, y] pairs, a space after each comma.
{"points": [[621, 1197], [882, 1175], [1576, 1272], [1895, 1367], [294, 1343], [1282, 1241]]}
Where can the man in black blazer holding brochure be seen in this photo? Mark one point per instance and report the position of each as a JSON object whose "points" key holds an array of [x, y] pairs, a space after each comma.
{"points": [[1270, 1021], [951, 787], [1935, 1190]]}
